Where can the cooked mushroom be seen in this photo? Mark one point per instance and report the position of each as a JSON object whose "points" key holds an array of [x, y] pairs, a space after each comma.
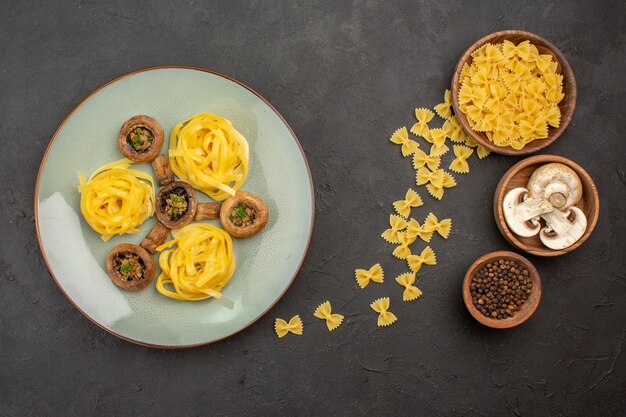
{"points": [[557, 183], [176, 204], [243, 214], [522, 212], [162, 171], [563, 229], [155, 237], [208, 211], [140, 138], [130, 267]]}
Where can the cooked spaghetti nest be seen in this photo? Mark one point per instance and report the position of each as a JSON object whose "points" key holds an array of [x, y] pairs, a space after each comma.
{"points": [[200, 266], [207, 152], [116, 199]]}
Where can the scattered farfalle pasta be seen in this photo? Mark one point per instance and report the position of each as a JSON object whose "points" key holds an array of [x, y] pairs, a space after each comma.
{"points": [[364, 276], [281, 327], [437, 137], [414, 230], [397, 223], [444, 110], [420, 159], [411, 292], [324, 312], [411, 199], [481, 151], [437, 192], [454, 130], [424, 176], [459, 164], [511, 93], [420, 128], [401, 137], [432, 224], [427, 257], [402, 251], [385, 317]]}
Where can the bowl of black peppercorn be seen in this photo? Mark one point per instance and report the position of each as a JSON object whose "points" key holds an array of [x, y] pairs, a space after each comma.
{"points": [[501, 289]]}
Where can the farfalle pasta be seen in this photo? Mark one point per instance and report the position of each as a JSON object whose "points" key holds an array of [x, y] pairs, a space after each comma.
{"points": [[420, 159], [481, 151], [424, 176], [444, 110], [365, 276], [421, 128], [324, 312], [415, 230], [401, 137], [396, 224], [511, 93], [432, 224], [281, 327], [459, 164], [454, 130], [437, 192], [427, 257], [437, 137], [385, 317], [402, 251], [411, 199], [411, 292]]}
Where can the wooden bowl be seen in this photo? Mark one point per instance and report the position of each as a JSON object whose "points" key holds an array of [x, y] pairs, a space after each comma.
{"points": [[517, 176], [526, 310], [567, 105]]}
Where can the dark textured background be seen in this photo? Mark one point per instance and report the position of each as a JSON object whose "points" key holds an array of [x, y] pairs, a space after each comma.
{"points": [[345, 75]]}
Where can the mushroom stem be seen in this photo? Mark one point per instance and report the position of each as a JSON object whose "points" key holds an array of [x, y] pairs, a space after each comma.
{"points": [[162, 171], [533, 207], [208, 211], [155, 237]]}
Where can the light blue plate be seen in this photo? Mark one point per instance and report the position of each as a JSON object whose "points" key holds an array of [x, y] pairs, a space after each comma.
{"points": [[266, 263]]}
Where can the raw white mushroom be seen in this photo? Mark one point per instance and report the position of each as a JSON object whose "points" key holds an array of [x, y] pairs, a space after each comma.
{"points": [[557, 183], [521, 212], [563, 229]]}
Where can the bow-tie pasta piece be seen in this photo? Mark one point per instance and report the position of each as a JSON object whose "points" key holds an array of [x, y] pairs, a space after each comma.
{"points": [[385, 317], [294, 326], [324, 312], [411, 292], [403, 251], [459, 164], [420, 128], [414, 230], [481, 151], [432, 224], [444, 110], [401, 137], [397, 223], [453, 130], [411, 199], [374, 274], [427, 257], [420, 159], [424, 176]]}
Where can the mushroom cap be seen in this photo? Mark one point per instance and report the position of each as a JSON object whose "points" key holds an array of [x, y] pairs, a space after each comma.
{"points": [[192, 205], [514, 217], [261, 213], [144, 256], [557, 183], [563, 229], [145, 122]]}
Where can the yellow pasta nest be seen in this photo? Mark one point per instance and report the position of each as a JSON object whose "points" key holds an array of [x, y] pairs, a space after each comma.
{"points": [[207, 152], [116, 199], [511, 92], [200, 266]]}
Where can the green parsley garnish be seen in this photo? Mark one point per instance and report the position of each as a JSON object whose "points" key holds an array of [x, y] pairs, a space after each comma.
{"points": [[240, 210], [126, 268]]}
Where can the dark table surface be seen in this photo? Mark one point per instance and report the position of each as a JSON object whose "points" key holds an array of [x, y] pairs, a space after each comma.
{"points": [[344, 75]]}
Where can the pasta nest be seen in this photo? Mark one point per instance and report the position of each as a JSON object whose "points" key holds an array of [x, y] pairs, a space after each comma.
{"points": [[200, 266], [116, 199], [207, 152]]}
